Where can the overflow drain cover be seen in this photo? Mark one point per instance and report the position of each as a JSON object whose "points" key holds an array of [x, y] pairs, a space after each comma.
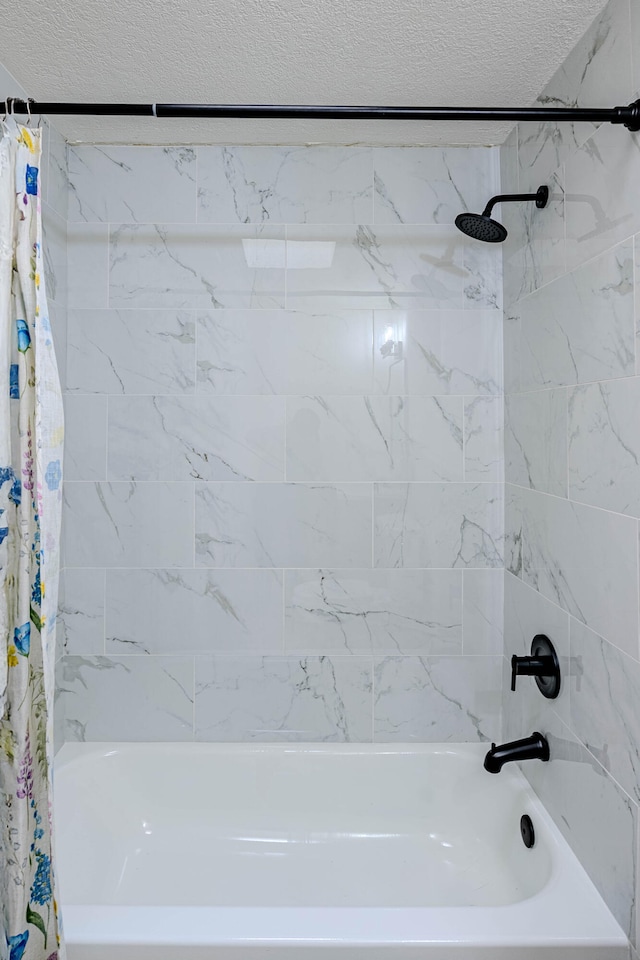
{"points": [[527, 831]]}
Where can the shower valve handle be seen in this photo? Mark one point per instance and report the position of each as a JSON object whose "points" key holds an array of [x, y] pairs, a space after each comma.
{"points": [[530, 667], [543, 664]]}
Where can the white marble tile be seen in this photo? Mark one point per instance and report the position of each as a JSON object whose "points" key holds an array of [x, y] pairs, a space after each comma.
{"points": [[283, 698], [483, 282], [635, 59], [285, 184], [604, 445], [54, 255], [579, 794], [81, 611], [580, 327], [88, 265], [128, 524], [197, 266], [636, 285], [482, 612], [512, 346], [604, 701], [85, 438], [285, 352], [437, 699], [597, 73], [535, 250], [131, 351], [193, 611], [483, 438], [602, 204], [432, 184], [585, 560], [443, 352], [509, 165], [124, 184], [535, 448], [55, 182], [366, 267], [513, 523], [381, 611], [438, 525], [374, 438], [526, 614], [196, 438], [283, 524], [127, 698]]}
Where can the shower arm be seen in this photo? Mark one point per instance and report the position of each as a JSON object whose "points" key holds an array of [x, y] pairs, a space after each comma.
{"points": [[628, 115], [540, 197]]}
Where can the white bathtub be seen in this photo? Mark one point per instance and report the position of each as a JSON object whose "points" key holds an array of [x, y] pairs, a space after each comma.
{"points": [[380, 852]]}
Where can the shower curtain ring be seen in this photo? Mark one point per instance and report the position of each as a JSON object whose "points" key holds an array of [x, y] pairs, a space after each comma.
{"points": [[29, 101]]}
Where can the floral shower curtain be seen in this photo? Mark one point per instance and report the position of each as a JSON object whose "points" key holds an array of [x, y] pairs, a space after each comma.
{"points": [[31, 435]]}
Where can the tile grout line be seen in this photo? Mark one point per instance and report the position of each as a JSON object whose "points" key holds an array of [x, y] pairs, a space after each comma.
{"points": [[283, 642], [542, 493], [104, 612], [373, 526], [462, 616], [108, 307], [373, 698], [567, 444], [464, 439]]}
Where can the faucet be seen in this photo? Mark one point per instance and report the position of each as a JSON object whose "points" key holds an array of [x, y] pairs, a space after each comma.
{"points": [[534, 747]]}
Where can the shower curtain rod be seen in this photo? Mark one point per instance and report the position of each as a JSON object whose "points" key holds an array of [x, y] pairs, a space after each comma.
{"points": [[629, 115]]}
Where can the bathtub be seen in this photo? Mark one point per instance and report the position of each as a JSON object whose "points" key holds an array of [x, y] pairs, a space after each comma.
{"points": [[368, 852]]}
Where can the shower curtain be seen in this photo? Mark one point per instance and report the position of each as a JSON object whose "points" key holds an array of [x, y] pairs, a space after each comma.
{"points": [[31, 435]]}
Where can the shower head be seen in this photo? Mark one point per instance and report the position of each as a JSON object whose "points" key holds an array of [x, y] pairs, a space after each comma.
{"points": [[480, 226]]}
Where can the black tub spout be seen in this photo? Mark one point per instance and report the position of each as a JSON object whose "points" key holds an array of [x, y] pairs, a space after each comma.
{"points": [[534, 747]]}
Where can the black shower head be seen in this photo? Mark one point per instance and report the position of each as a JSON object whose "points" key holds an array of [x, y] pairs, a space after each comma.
{"points": [[480, 226]]}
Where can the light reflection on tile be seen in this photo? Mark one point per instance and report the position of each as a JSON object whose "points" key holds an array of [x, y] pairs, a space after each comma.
{"points": [[443, 352], [384, 267]]}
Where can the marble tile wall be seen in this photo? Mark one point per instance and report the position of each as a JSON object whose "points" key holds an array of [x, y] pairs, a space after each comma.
{"points": [[284, 496], [572, 453]]}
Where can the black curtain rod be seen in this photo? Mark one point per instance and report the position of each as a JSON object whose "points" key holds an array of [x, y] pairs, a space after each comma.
{"points": [[629, 115]]}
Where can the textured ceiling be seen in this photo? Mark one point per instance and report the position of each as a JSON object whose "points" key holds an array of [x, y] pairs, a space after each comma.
{"points": [[426, 52]]}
